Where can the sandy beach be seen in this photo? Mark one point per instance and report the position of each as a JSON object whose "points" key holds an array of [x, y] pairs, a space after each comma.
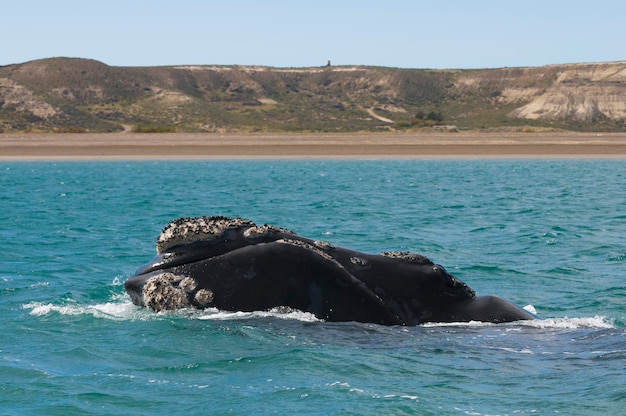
{"points": [[129, 146]]}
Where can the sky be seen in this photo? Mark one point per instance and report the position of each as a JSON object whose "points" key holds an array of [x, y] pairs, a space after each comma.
{"points": [[441, 34]]}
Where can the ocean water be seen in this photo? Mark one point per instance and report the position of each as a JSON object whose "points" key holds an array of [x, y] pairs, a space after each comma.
{"points": [[546, 233]]}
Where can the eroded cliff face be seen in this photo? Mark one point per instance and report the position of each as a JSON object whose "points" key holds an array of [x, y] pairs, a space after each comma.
{"points": [[576, 92], [584, 92]]}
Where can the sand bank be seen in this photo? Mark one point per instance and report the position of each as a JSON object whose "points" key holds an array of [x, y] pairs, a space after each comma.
{"points": [[129, 146]]}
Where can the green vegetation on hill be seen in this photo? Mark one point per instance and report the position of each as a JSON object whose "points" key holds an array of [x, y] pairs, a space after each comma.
{"points": [[64, 94]]}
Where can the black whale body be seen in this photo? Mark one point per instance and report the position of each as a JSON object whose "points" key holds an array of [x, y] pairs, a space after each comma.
{"points": [[233, 264]]}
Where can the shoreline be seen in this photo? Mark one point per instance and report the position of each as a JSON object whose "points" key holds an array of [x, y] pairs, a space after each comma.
{"points": [[388, 145]]}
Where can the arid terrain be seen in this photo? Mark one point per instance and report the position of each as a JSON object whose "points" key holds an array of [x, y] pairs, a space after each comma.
{"points": [[82, 95]]}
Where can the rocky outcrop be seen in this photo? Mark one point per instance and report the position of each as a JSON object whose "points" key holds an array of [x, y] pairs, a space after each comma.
{"points": [[581, 92]]}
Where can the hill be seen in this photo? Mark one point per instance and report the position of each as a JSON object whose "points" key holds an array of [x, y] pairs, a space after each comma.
{"points": [[70, 94]]}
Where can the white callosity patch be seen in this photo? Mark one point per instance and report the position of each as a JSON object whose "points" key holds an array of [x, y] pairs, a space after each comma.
{"points": [[323, 245], [188, 284], [359, 261], [407, 256], [184, 231], [203, 298], [167, 291], [163, 292], [260, 232], [310, 247]]}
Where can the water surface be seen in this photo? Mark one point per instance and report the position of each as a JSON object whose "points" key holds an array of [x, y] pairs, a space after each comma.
{"points": [[546, 233]]}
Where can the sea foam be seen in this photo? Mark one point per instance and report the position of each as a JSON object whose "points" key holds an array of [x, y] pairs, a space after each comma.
{"points": [[114, 310], [121, 308]]}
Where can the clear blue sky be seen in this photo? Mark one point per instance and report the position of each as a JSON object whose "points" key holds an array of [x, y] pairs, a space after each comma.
{"points": [[294, 33]]}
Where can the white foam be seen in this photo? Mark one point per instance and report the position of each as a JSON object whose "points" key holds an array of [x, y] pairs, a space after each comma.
{"points": [[122, 309], [279, 313], [519, 351], [457, 324], [596, 322]]}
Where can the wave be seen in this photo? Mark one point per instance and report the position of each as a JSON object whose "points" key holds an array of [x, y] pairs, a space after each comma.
{"points": [[594, 322], [280, 313], [121, 308]]}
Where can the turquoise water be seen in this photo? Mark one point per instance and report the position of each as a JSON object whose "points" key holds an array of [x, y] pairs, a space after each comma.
{"points": [[550, 234]]}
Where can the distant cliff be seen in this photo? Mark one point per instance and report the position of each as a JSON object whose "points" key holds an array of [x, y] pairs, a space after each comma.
{"points": [[67, 94]]}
